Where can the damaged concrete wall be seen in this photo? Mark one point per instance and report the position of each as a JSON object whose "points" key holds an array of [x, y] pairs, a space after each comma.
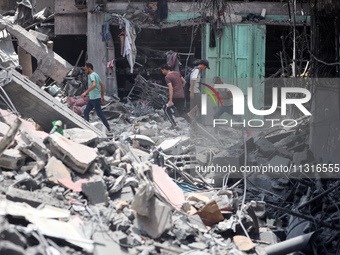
{"points": [[35, 103], [96, 47], [243, 7], [325, 126], [69, 20]]}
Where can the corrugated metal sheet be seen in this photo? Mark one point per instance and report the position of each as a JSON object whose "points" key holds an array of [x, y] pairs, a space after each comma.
{"points": [[239, 58]]}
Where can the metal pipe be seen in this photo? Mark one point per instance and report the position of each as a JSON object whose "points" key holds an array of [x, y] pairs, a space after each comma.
{"points": [[290, 245]]}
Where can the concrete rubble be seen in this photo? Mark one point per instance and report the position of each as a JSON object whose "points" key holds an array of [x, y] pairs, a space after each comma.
{"points": [[147, 189], [143, 193]]}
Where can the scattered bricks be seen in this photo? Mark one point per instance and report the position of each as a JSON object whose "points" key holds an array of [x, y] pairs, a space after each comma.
{"points": [[188, 162], [95, 192], [12, 159], [55, 169], [278, 137], [76, 156], [34, 198], [82, 136], [265, 147]]}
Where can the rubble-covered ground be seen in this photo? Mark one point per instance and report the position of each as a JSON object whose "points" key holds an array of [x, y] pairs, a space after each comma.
{"points": [[148, 189]]}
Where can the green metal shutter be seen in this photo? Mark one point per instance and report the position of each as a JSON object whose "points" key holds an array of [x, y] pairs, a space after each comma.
{"points": [[239, 58]]}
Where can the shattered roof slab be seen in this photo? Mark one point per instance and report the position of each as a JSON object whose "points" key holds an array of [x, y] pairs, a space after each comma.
{"points": [[33, 102]]}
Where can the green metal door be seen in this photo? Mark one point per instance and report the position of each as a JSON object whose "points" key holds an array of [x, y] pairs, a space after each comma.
{"points": [[239, 58]]}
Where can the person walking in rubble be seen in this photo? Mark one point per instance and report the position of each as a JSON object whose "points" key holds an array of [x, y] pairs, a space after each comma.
{"points": [[176, 82], [195, 95], [227, 104], [96, 92]]}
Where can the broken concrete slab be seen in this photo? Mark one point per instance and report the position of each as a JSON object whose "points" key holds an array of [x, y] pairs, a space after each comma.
{"points": [[3, 129], [70, 231], [34, 198], [167, 188], [39, 36], [12, 159], [95, 192], [50, 63], [34, 144], [8, 207], [82, 136], [76, 156], [40, 105], [9, 119], [55, 169], [173, 146]]}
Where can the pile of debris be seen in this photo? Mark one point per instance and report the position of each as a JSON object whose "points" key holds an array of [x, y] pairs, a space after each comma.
{"points": [[141, 192]]}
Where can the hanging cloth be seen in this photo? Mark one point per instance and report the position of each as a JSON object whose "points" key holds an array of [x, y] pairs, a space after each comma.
{"points": [[162, 9], [106, 35]]}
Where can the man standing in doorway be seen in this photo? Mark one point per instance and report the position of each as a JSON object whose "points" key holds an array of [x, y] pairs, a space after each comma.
{"points": [[96, 92], [195, 95], [176, 94]]}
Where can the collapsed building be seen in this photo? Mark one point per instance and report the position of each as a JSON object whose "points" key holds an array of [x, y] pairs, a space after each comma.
{"points": [[149, 189]]}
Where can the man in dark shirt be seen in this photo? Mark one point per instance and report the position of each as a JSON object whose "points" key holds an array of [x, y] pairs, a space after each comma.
{"points": [[176, 93]]}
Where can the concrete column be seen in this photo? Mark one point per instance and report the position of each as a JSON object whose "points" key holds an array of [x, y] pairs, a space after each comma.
{"points": [[25, 60], [96, 48]]}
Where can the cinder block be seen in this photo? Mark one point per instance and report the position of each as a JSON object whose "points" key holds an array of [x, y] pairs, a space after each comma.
{"points": [[95, 192]]}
